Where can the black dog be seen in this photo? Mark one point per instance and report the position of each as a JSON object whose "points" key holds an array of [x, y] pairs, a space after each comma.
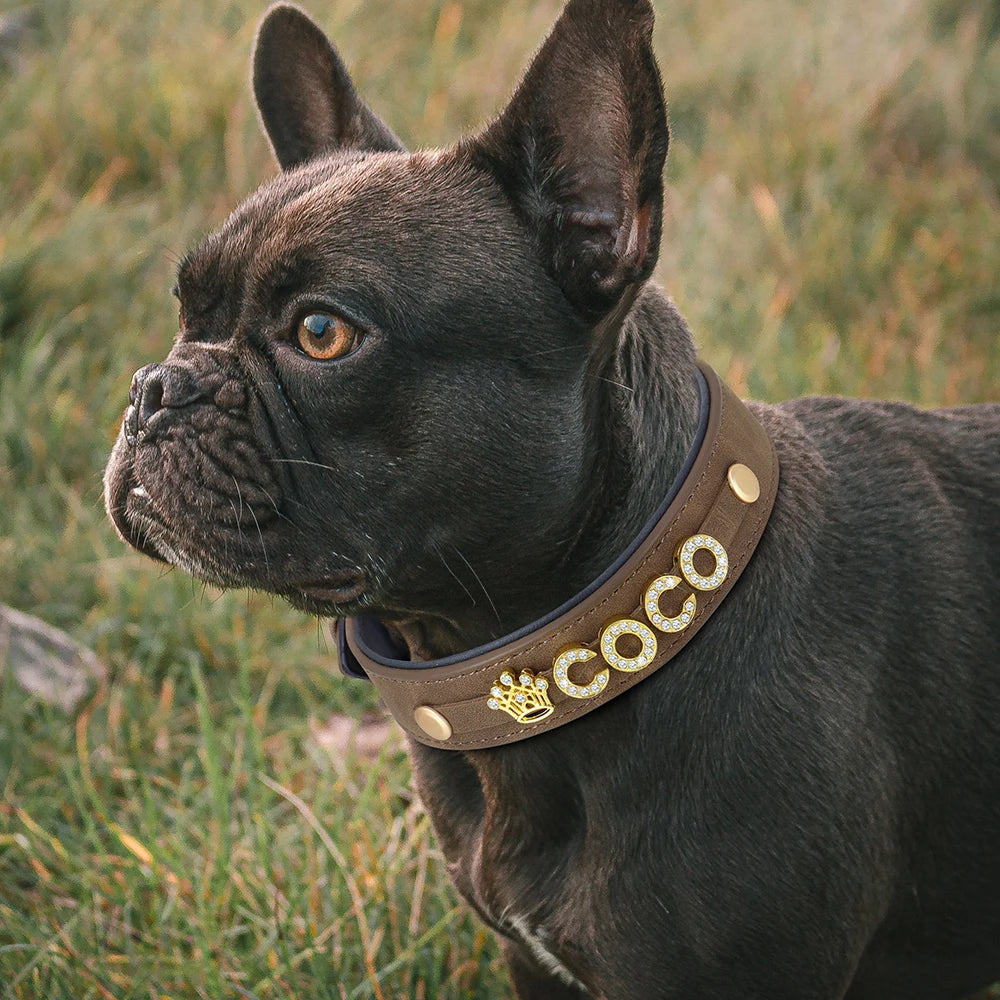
{"points": [[435, 388]]}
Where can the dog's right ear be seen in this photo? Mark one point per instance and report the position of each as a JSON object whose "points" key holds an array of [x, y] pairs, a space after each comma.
{"points": [[579, 151], [305, 97]]}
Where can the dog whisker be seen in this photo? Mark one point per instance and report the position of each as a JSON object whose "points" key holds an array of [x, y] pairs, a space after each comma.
{"points": [[303, 461], [479, 581], [538, 354], [274, 507], [239, 527], [263, 546], [239, 493], [610, 381], [456, 577]]}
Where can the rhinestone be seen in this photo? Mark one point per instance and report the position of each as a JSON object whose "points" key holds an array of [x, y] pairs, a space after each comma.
{"points": [[520, 697], [651, 606], [541, 683], [594, 688], [506, 678], [563, 683], [572, 655], [689, 546], [660, 585], [613, 659], [525, 679], [563, 661], [717, 549], [615, 629], [493, 703], [657, 619], [560, 671], [574, 690], [685, 618], [496, 692], [689, 606]]}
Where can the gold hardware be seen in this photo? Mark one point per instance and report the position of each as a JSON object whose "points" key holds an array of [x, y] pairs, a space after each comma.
{"points": [[743, 482], [561, 666], [432, 722], [663, 622], [618, 630], [685, 556], [525, 701]]}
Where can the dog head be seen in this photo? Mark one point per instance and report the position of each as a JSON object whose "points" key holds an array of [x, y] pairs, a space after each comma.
{"points": [[385, 391]]}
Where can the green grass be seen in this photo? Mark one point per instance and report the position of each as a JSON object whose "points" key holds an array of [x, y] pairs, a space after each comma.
{"points": [[833, 225]]}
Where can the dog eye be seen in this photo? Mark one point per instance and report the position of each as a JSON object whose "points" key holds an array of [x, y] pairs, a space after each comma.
{"points": [[325, 337]]}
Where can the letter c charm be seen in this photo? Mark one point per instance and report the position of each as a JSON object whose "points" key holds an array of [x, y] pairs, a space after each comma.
{"points": [[560, 671]]}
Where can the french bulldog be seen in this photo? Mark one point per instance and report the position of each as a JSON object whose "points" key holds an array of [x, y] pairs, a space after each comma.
{"points": [[438, 389]]}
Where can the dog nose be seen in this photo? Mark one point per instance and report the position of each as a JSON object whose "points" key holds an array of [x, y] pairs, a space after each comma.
{"points": [[154, 388]]}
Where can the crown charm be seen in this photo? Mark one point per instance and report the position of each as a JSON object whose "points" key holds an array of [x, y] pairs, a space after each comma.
{"points": [[525, 701]]}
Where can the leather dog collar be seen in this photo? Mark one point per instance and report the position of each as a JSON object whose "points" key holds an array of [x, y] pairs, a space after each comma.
{"points": [[624, 627]]}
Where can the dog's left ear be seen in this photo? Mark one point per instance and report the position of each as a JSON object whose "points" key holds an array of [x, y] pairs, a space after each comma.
{"points": [[304, 94], [580, 149]]}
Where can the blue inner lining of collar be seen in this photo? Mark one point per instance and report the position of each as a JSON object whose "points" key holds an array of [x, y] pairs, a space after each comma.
{"points": [[372, 636]]}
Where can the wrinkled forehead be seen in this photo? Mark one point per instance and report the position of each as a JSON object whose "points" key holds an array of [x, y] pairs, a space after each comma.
{"points": [[321, 198], [360, 217]]}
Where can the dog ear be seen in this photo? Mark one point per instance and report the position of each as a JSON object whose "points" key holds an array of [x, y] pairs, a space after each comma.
{"points": [[580, 149], [305, 97]]}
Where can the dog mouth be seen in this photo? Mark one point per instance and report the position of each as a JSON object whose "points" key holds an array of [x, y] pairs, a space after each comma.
{"points": [[164, 508], [329, 593], [334, 595], [136, 519], [340, 588]]}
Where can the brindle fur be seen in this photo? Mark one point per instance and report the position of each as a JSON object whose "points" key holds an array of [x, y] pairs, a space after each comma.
{"points": [[805, 805]]}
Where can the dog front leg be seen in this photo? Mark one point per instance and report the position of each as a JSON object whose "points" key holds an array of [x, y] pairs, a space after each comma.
{"points": [[533, 982]]}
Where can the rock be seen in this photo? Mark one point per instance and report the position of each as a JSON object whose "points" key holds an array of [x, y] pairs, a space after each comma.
{"points": [[45, 661], [18, 32], [341, 735]]}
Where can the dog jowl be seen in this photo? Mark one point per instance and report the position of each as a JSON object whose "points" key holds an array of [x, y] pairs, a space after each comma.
{"points": [[436, 389]]}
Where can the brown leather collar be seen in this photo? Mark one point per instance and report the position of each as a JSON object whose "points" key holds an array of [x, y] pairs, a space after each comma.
{"points": [[627, 628]]}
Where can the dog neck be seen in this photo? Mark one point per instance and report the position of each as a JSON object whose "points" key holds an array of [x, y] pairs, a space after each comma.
{"points": [[642, 410], [715, 512]]}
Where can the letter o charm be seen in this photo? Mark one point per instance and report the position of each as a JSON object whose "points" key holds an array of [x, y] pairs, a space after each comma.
{"points": [[560, 671], [617, 630], [685, 555], [652, 601]]}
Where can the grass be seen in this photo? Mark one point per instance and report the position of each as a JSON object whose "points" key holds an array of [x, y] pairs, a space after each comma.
{"points": [[833, 226]]}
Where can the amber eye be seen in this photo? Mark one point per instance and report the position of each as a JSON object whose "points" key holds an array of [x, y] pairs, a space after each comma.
{"points": [[325, 337]]}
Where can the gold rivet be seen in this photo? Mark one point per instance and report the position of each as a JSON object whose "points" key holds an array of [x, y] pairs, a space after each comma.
{"points": [[432, 722], [743, 482]]}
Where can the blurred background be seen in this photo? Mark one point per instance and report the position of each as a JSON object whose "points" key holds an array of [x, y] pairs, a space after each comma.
{"points": [[207, 819]]}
